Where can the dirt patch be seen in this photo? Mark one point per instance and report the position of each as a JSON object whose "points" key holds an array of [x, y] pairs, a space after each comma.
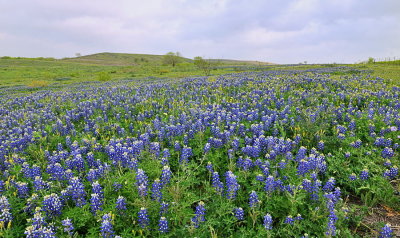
{"points": [[372, 220]]}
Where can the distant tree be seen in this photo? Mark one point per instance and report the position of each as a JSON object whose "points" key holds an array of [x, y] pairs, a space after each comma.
{"points": [[371, 60], [78, 54], [203, 64], [172, 58]]}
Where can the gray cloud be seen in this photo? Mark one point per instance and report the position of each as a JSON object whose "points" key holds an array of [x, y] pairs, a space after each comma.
{"points": [[276, 31]]}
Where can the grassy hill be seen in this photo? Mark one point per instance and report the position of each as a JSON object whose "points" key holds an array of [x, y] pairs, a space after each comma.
{"points": [[38, 72], [120, 59], [123, 59]]}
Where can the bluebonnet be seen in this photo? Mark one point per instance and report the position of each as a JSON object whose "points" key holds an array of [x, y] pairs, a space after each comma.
{"points": [[216, 183], [32, 203], [329, 185], [96, 188], [68, 226], [52, 205], [121, 203], [321, 145], [364, 175], [199, 214], [379, 141], [95, 203], [244, 164], [22, 189], [5, 211], [391, 173], [106, 228], [387, 153], [312, 187], [155, 148], [166, 175], [232, 186], [303, 167], [186, 154], [39, 227], [282, 164], [352, 125], [76, 190], [142, 182], [352, 177], [164, 208], [164, 161], [1, 186], [207, 148], [269, 186], [331, 200], [289, 220], [268, 222], [356, 144], [40, 184], [143, 218], [301, 154], [341, 136], [56, 171], [156, 193], [166, 153], [177, 146], [163, 225], [210, 167], [386, 232], [239, 213], [116, 186], [298, 217], [253, 199], [341, 129], [36, 171], [260, 177]]}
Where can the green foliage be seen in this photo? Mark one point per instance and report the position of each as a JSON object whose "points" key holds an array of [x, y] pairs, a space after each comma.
{"points": [[203, 65], [371, 60], [103, 76], [172, 58]]}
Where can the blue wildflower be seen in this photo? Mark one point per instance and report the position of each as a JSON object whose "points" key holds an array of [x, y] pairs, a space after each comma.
{"points": [[232, 186], [121, 203], [199, 214], [156, 193], [106, 227], [52, 205], [268, 222], [386, 232], [364, 175], [163, 225], [143, 218], [239, 213], [68, 227], [253, 199]]}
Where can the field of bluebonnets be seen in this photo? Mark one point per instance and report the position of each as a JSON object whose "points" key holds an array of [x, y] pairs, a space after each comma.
{"points": [[252, 154]]}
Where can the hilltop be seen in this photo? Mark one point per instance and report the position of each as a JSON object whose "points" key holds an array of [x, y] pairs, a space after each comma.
{"points": [[120, 59], [125, 59]]}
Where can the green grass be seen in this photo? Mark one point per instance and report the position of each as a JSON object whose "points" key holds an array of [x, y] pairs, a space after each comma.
{"points": [[117, 66], [26, 71]]}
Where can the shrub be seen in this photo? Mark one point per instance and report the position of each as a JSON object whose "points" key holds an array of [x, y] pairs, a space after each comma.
{"points": [[103, 76]]}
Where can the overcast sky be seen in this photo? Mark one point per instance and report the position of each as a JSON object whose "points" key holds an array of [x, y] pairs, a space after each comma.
{"points": [[280, 31]]}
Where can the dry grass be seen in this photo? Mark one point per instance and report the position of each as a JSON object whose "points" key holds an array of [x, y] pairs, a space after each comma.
{"points": [[38, 83]]}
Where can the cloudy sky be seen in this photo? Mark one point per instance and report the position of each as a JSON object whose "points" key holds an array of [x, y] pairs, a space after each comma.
{"points": [[280, 31]]}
